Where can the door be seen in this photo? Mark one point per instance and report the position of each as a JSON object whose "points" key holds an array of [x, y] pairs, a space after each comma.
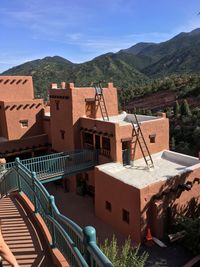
{"points": [[97, 142], [126, 152]]}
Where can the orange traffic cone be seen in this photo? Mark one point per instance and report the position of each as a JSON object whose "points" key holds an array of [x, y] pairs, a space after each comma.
{"points": [[148, 236]]}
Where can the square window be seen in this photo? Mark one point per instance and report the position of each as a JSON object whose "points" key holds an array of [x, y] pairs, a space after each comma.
{"points": [[108, 206], [152, 138], [125, 216], [24, 123]]}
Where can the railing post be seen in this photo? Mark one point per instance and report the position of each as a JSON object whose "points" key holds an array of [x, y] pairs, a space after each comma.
{"points": [[89, 235], [33, 176], [17, 161], [51, 213]]}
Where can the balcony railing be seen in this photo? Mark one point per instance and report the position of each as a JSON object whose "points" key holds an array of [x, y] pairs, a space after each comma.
{"points": [[105, 152]]}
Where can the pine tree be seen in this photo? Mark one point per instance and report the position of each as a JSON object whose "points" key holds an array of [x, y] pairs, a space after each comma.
{"points": [[148, 112], [173, 144], [177, 109], [185, 109]]}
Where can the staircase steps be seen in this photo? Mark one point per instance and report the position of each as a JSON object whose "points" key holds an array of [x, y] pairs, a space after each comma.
{"points": [[24, 239]]}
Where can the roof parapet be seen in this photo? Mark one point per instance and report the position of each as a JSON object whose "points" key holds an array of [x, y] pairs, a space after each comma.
{"points": [[54, 86]]}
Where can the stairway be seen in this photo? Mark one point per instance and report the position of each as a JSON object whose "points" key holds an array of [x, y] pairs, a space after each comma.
{"points": [[138, 137], [21, 235], [101, 101]]}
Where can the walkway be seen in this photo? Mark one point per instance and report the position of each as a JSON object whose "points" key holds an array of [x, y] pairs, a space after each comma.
{"points": [[55, 166], [22, 236]]}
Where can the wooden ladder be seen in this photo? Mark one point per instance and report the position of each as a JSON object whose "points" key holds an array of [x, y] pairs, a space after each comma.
{"points": [[101, 101], [138, 137]]}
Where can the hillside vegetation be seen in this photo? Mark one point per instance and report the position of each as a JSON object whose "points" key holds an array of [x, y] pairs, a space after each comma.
{"points": [[136, 71]]}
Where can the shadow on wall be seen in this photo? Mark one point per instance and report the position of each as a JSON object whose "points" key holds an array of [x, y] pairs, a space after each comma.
{"points": [[165, 207], [37, 127]]}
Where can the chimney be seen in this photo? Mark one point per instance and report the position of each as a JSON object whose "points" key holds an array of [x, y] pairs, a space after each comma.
{"points": [[71, 85], [161, 114], [54, 86], [110, 85], [63, 85]]}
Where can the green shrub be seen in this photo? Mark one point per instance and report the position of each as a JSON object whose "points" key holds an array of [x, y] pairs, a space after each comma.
{"points": [[192, 238], [126, 256]]}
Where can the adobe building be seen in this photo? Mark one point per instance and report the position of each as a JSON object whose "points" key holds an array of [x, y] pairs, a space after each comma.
{"points": [[138, 183], [128, 195], [22, 123]]}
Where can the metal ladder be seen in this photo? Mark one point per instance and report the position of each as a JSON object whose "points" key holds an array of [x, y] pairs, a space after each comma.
{"points": [[100, 98], [137, 136]]}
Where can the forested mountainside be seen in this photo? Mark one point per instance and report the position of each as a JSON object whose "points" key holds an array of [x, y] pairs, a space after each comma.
{"points": [[136, 71]]}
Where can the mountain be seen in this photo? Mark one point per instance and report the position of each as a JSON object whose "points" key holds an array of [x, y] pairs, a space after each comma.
{"points": [[128, 68], [178, 55], [136, 49], [109, 67]]}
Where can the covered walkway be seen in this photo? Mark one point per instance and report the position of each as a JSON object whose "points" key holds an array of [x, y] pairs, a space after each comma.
{"points": [[22, 235]]}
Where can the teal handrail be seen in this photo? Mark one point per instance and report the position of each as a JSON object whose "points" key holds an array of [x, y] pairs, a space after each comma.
{"points": [[56, 165], [76, 244]]}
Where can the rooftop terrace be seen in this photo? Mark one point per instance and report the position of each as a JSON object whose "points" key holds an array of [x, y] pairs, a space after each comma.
{"points": [[167, 164], [125, 118]]}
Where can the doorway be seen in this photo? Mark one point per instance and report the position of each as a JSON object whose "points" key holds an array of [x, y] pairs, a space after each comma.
{"points": [[126, 152]]}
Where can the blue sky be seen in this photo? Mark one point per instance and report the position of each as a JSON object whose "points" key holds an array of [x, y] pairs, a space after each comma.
{"points": [[79, 30]]}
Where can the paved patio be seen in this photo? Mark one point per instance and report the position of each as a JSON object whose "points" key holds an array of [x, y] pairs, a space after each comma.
{"points": [[81, 210]]}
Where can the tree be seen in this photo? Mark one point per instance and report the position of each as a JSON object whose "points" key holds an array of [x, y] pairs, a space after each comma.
{"points": [[185, 109], [125, 256], [196, 136], [191, 240], [177, 109], [148, 112], [173, 144]]}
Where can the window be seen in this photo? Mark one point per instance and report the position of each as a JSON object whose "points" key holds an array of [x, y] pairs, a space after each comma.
{"points": [[24, 123], [88, 138], [108, 206], [62, 133], [106, 143], [152, 138], [57, 104], [90, 109], [125, 216]]}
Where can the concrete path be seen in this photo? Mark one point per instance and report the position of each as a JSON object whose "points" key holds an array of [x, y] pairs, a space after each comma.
{"points": [[23, 237], [80, 209]]}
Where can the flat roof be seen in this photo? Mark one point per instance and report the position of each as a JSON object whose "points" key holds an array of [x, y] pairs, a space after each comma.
{"points": [[125, 118], [167, 164]]}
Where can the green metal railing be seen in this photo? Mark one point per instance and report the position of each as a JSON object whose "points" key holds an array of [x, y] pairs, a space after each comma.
{"points": [[54, 166], [76, 244]]}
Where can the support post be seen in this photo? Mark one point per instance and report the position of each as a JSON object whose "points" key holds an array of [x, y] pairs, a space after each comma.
{"points": [[17, 161], [51, 213], [33, 176], [89, 235]]}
